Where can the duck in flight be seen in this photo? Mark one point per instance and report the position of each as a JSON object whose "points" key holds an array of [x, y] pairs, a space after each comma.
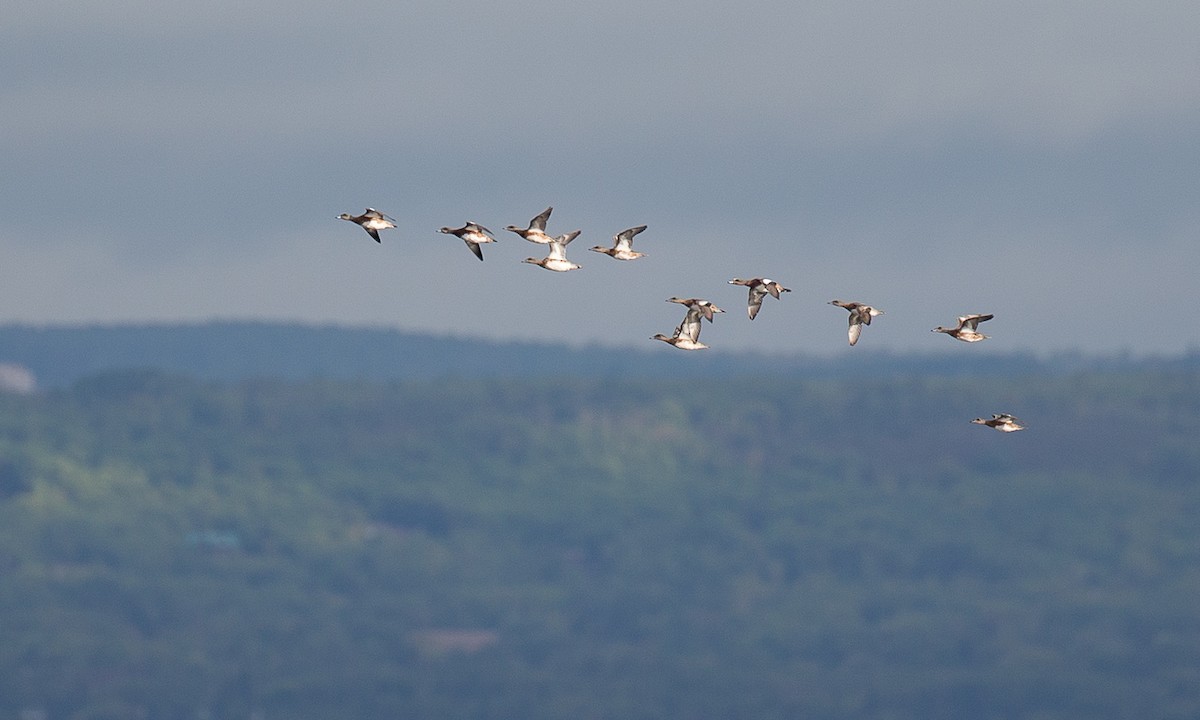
{"points": [[557, 260], [759, 289], [372, 221], [622, 248], [687, 334], [967, 328], [1001, 421], [473, 234], [536, 232], [860, 314], [699, 306]]}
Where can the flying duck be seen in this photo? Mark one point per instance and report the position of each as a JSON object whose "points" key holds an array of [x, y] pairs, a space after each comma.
{"points": [[536, 232], [698, 305], [687, 334], [372, 221], [622, 248], [557, 260], [1002, 422], [860, 315], [967, 329], [759, 288], [473, 234]]}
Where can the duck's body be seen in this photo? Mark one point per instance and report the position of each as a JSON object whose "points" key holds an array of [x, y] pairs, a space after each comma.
{"points": [[698, 305], [473, 234], [860, 314], [372, 221], [759, 289], [967, 328], [681, 340], [536, 232], [557, 260], [622, 248], [1001, 421]]}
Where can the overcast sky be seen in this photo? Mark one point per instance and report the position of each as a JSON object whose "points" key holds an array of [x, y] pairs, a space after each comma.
{"points": [[1039, 161]]}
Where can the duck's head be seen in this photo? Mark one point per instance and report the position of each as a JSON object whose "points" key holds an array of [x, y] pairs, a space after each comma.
{"points": [[532, 261], [345, 216], [660, 336], [445, 230]]}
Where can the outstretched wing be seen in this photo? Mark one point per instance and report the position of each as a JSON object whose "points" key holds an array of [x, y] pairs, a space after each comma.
{"points": [[539, 222], [624, 239], [972, 321], [755, 301], [690, 326], [855, 328]]}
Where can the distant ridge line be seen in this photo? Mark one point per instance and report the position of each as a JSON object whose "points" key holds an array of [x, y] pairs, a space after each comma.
{"points": [[58, 355]]}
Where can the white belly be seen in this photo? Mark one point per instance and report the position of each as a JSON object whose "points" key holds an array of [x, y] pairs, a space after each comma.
{"points": [[560, 265]]}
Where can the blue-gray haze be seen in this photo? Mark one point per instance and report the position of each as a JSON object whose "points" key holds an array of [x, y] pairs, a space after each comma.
{"points": [[167, 161]]}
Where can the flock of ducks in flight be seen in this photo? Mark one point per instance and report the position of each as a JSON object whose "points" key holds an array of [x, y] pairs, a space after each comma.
{"points": [[687, 333]]}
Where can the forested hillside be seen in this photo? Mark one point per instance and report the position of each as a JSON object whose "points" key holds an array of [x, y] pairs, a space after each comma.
{"points": [[762, 547]]}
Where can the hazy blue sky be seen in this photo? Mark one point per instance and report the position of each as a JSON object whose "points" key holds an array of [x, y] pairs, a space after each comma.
{"points": [[1040, 161]]}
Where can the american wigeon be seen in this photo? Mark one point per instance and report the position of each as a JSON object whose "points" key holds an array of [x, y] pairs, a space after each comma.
{"points": [[372, 221], [701, 306], [687, 333], [1002, 422], [536, 232], [860, 314], [622, 248], [967, 328], [759, 289], [557, 260], [473, 234]]}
